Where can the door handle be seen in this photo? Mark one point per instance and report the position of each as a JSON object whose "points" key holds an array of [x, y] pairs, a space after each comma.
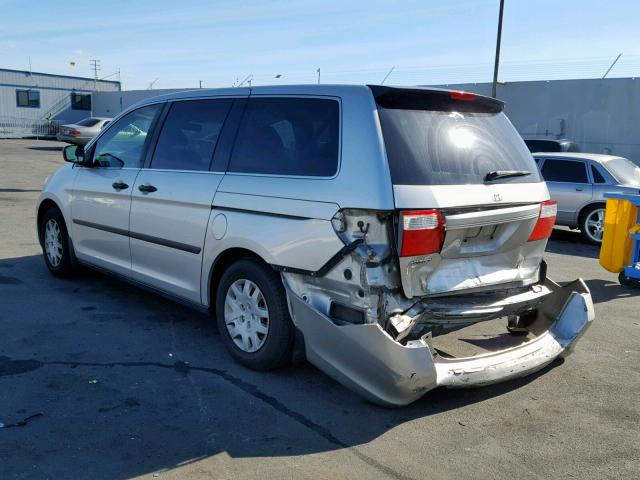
{"points": [[147, 188], [119, 185], [578, 189]]}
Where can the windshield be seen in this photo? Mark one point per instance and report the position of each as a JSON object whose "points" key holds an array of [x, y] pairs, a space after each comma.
{"points": [[427, 147], [625, 171], [88, 122]]}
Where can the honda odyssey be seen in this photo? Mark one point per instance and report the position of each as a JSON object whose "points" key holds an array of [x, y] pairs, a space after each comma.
{"points": [[368, 227]]}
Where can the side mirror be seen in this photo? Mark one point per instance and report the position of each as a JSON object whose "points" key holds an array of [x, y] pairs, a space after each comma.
{"points": [[73, 154]]}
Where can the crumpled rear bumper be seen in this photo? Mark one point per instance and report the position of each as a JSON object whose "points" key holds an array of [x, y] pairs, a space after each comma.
{"points": [[366, 359]]}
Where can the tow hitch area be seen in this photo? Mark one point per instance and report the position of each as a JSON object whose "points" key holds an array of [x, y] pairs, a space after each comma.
{"points": [[394, 370]]}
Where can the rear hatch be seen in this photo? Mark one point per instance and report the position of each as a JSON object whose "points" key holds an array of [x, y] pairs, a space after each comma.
{"points": [[472, 210]]}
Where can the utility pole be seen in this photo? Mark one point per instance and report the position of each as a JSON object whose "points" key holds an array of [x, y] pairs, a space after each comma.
{"points": [[497, 62], [318, 70], [95, 65]]}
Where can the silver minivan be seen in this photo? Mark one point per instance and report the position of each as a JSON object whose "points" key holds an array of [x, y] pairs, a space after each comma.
{"points": [[366, 227]]}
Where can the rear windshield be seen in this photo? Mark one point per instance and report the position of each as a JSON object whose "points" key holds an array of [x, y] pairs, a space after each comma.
{"points": [[427, 147], [625, 171], [88, 122], [543, 146]]}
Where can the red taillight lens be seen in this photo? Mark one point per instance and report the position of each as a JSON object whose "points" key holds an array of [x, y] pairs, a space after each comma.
{"points": [[546, 221], [74, 132], [422, 232], [462, 95]]}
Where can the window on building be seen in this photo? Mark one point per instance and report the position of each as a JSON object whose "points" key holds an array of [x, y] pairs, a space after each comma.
{"points": [[288, 136], [564, 171], [28, 98], [189, 135], [81, 101]]}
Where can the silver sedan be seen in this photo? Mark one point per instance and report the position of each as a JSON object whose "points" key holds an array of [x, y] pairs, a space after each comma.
{"points": [[578, 181], [80, 133]]}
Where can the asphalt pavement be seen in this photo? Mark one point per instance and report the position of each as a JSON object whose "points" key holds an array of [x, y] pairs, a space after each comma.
{"points": [[125, 384]]}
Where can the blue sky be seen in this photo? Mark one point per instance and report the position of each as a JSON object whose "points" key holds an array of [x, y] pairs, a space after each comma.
{"points": [[181, 42]]}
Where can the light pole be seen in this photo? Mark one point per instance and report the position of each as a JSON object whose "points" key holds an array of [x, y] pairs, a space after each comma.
{"points": [[497, 62]]}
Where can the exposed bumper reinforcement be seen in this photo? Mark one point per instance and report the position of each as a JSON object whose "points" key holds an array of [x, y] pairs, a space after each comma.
{"points": [[366, 359]]}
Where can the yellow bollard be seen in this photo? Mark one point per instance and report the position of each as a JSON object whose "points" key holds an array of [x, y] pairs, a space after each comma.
{"points": [[620, 217]]}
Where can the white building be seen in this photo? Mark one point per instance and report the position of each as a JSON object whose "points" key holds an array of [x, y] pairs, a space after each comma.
{"points": [[32, 102]]}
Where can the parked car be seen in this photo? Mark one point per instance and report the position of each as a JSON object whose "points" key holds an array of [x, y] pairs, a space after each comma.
{"points": [[82, 132], [360, 225], [578, 181], [546, 145]]}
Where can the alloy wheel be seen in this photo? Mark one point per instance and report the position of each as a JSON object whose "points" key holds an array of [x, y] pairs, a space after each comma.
{"points": [[594, 225]]}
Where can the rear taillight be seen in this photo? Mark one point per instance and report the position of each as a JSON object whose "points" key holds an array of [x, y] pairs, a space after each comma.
{"points": [[422, 232], [74, 132], [546, 221]]}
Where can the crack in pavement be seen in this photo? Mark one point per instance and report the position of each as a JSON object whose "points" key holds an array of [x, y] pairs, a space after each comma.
{"points": [[185, 368]]}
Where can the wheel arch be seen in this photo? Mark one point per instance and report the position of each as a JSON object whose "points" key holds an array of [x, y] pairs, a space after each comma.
{"points": [[221, 263], [45, 205], [586, 207]]}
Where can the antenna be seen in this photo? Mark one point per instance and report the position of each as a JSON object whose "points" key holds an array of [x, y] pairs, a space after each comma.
{"points": [[614, 62], [248, 78], [387, 75], [318, 70], [150, 87]]}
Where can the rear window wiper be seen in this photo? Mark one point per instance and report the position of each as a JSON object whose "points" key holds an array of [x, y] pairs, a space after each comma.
{"points": [[495, 175]]}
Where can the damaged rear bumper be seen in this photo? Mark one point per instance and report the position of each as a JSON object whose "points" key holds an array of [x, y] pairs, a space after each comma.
{"points": [[366, 359]]}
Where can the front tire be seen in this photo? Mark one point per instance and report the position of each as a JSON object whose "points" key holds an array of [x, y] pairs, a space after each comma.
{"points": [[592, 224], [253, 316], [56, 245]]}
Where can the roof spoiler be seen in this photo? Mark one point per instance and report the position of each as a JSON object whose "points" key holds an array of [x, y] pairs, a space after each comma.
{"points": [[433, 99]]}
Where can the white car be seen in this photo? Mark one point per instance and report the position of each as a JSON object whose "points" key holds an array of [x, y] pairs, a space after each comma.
{"points": [[364, 226], [82, 132]]}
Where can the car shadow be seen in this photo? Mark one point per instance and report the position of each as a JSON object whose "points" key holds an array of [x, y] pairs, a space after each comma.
{"points": [[569, 242], [130, 383], [603, 291], [46, 149]]}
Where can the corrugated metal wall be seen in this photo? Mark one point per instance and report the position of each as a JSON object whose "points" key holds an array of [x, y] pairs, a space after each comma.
{"points": [[601, 115], [55, 99]]}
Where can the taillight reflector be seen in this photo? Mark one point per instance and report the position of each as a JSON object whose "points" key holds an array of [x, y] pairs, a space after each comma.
{"points": [[422, 232], [546, 221], [74, 132], [462, 95]]}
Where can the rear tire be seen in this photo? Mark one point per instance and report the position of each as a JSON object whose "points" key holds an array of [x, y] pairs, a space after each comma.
{"points": [[253, 315], [56, 245], [592, 224]]}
